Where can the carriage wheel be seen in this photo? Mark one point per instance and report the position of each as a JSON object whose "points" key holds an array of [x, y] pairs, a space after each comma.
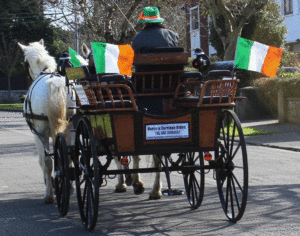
{"points": [[86, 174], [194, 180], [232, 176], [61, 171]]}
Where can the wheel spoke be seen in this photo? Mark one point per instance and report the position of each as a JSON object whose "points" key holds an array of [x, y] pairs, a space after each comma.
{"points": [[231, 197], [232, 139], [240, 187], [194, 179], [224, 136], [235, 152], [191, 190], [235, 195], [85, 191]]}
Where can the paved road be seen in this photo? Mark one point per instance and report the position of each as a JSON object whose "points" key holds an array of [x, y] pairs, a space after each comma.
{"points": [[273, 204]]}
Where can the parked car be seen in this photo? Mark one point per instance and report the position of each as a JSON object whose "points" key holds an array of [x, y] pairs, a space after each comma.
{"points": [[291, 69]]}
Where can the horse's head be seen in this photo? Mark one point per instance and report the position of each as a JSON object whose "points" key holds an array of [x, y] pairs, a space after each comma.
{"points": [[88, 55], [38, 59]]}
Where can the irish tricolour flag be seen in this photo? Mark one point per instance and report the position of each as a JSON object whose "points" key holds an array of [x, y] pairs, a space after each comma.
{"points": [[257, 57], [110, 58], [76, 59]]}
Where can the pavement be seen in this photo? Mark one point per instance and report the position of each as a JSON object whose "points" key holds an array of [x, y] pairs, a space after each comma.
{"points": [[284, 135]]}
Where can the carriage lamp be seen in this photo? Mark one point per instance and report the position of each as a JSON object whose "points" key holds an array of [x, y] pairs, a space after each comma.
{"points": [[124, 161], [64, 63], [207, 156], [201, 62]]}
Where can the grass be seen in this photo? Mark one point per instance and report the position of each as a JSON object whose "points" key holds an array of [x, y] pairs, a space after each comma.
{"points": [[249, 131], [12, 107]]}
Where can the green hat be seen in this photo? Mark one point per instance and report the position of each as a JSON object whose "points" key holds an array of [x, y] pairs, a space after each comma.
{"points": [[150, 15]]}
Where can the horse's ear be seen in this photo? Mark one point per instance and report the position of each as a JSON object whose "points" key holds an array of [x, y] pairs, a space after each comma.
{"points": [[41, 42], [85, 50], [23, 47]]}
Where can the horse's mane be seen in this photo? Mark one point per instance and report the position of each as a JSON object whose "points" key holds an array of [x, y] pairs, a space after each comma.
{"points": [[37, 52]]}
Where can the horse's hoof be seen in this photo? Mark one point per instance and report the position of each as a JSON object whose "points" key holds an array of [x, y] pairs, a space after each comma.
{"points": [[154, 196], [48, 200], [121, 188], [138, 189], [128, 180]]}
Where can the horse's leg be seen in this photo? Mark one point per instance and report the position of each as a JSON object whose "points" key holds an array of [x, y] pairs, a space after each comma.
{"points": [[137, 184], [156, 191], [46, 165], [121, 186]]}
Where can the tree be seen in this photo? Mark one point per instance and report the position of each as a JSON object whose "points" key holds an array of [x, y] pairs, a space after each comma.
{"points": [[114, 21], [265, 26], [21, 21], [229, 17]]}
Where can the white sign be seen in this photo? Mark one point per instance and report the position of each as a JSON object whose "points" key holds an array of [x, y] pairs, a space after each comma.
{"points": [[81, 95], [167, 131]]}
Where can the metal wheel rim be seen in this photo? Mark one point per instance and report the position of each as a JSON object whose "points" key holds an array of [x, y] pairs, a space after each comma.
{"points": [[62, 181], [86, 174], [194, 186], [232, 178]]}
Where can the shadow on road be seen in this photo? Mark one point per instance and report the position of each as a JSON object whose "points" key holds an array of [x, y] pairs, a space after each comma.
{"points": [[128, 214]]}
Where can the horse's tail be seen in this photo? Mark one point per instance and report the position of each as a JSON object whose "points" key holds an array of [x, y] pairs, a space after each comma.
{"points": [[57, 110]]}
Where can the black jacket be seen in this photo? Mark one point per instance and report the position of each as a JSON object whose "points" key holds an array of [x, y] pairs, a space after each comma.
{"points": [[154, 36]]}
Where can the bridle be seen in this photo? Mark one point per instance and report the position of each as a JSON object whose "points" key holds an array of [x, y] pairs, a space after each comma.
{"points": [[30, 73]]}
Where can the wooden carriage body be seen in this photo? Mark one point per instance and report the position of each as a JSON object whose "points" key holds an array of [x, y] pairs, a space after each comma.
{"points": [[191, 108], [160, 110]]}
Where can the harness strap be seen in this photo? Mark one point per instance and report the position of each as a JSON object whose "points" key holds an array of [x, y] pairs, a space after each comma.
{"points": [[30, 117], [35, 117]]}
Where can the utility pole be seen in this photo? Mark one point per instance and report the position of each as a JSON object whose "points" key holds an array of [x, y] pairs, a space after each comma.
{"points": [[76, 33]]}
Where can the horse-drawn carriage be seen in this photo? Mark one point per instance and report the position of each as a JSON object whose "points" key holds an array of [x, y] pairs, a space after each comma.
{"points": [[188, 124]]}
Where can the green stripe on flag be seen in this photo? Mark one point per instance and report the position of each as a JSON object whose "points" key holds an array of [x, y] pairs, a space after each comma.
{"points": [[99, 56], [242, 54], [75, 62]]}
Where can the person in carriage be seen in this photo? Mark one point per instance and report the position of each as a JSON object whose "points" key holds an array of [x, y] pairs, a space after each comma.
{"points": [[153, 38], [154, 33]]}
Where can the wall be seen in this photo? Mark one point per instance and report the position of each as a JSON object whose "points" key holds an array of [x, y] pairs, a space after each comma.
{"points": [[253, 106], [15, 94], [288, 108]]}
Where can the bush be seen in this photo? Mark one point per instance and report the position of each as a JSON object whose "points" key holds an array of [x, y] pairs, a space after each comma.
{"points": [[267, 89]]}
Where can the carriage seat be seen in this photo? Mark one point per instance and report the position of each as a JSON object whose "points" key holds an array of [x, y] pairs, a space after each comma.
{"points": [[117, 104], [206, 100], [219, 73], [222, 65], [209, 93], [158, 71]]}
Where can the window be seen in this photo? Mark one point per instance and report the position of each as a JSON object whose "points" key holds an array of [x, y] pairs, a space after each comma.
{"points": [[194, 18], [288, 7]]}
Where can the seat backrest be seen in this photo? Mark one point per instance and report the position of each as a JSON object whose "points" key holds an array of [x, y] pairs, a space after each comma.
{"points": [[156, 59], [155, 67]]}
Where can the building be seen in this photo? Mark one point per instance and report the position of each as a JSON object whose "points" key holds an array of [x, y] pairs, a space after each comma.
{"points": [[197, 28], [290, 9]]}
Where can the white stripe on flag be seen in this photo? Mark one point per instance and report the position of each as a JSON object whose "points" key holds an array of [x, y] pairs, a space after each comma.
{"points": [[111, 58], [257, 56], [81, 60]]}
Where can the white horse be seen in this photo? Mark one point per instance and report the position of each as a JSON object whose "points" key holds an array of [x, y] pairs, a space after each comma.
{"points": [[45, 107], [134, 179]]}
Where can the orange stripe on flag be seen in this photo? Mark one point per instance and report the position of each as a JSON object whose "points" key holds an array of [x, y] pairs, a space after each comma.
{"points": [[125, 59], [272, 62]]}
